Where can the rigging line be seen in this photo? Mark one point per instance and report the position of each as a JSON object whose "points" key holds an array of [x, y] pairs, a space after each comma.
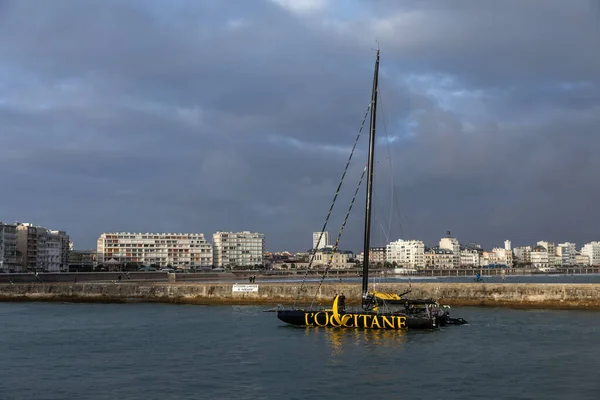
{"points": [[337, 241], [394, 194], [333, 202], [393, 191], [380, 220], [387, 238]]}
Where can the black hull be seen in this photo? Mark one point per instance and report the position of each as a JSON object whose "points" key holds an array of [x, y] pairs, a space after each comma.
{"points": [[369, 320]]}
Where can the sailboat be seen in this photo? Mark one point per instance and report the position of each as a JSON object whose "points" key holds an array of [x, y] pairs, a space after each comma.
{"points": [[379, 310]]}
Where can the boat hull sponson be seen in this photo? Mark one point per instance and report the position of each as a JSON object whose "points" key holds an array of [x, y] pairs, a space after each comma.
{"points": [[393, 321]]}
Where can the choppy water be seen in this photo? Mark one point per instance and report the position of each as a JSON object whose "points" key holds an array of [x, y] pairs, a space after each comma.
{"points": [[156, 351]]}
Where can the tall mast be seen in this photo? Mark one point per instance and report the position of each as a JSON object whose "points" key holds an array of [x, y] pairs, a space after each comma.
{"points": [[365, 278]]}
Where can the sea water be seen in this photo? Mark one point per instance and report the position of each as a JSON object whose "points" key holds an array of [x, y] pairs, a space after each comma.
{"points": [[158, 351]]}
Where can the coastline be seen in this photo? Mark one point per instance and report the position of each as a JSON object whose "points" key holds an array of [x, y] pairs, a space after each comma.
{"points": [[581, 296]]}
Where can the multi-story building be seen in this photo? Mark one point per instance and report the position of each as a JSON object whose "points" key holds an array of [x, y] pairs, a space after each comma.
{"points": [[59, 249], [550, 249], [522, 256], [335, 260], [540, 257], [324, 240], [592, 250], [27, 247], [504, 256], [469, 256], [488, 258], [42, 250], [582, 259], [238, 249], [566, 252], [377, 255], [183, 250], [451, 243], [82, 260], [48, 251], [406, 253], [439, 258], [8, 248]]}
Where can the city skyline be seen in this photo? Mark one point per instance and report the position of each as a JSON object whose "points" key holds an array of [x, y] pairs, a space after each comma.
{"points": [[301, 249], [27, 247], [198, 117]]}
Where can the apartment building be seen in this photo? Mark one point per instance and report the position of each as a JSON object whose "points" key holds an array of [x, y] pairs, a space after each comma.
{"points": [[566, 252], [582, 259], [522, 255], [82, 260], [241, 249], [592, 251], [550, 249], [42, 250], [540, 257], [335, 260], [183, 250], [503, 256], [8, 247], [377, 255], [60, 248], [320, 241], [439, 258], [469, 256], [406, 253], [451, 243]]}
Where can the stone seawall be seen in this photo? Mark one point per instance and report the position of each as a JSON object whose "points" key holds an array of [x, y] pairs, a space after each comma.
{"points": [[564, 296]]}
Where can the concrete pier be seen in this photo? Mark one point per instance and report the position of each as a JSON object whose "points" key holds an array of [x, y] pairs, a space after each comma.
{"points": [[561, 296]]}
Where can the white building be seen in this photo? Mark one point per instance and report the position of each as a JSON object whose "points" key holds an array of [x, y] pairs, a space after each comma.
{"points": [[238, 249], [469, 257], [323, 243], [539, 257], [335, 260], [522, 255], [592, 250], [566, 253], [406, 253], [439, 258], [50, 252], [551, 249], [184, 250], [503, 256], [582, 259], [8, 247], [488, 258], [451, 243], [41, 249]]}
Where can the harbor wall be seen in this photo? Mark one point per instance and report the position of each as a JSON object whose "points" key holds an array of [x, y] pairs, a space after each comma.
{"points": [[562, 296]]}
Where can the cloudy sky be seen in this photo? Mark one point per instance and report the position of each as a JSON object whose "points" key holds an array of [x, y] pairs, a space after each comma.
{"points": [[230, 115]]}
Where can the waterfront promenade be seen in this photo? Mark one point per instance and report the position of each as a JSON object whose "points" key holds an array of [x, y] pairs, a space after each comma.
{"points": [[315, 274]]}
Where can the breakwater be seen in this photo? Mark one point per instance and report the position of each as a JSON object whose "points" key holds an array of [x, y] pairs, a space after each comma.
{"points": [[562, 296]]}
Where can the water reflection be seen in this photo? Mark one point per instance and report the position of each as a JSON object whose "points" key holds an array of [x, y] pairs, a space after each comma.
{"points": [[342, 339]]}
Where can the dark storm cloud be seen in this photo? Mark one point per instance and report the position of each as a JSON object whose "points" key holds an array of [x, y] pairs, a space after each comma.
{"points": [[206, 116]]}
